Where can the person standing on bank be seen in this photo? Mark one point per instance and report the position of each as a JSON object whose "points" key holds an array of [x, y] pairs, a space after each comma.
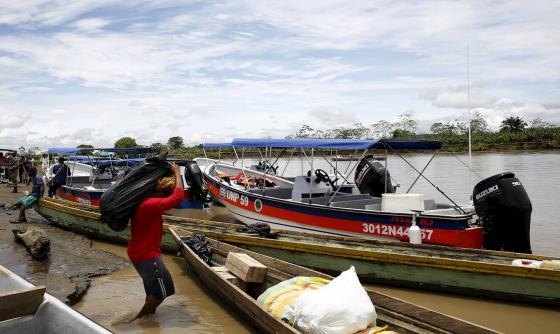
{"points": [[21, 168], [45, 163], [13, 165], [146, 233], [61, 172]]}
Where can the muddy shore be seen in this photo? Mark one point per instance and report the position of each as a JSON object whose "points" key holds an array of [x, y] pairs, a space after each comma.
{"points": [[72, 263]]}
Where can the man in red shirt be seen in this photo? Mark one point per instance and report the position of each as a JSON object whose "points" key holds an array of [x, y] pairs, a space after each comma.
{"points": [[144, 246]]}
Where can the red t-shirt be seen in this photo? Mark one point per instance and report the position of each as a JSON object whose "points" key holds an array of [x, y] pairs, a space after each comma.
{"points": [[147, 226]]}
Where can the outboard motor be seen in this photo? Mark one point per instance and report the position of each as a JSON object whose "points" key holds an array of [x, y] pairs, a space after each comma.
{"points": [[503, 206], [193, 175], [370, 177]]}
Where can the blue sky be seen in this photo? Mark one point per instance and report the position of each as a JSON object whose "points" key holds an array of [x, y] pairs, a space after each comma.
{"points": [[75, 72]]}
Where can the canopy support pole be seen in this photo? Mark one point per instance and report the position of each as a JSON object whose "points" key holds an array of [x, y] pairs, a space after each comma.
{"points": [[425, 178], [422, 172]]}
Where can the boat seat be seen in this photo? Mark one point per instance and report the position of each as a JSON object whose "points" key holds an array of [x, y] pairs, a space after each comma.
{"points": [[284, 193]]}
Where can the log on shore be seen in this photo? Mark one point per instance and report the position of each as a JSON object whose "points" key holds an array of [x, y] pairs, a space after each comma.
{"points": [[35, 240]]}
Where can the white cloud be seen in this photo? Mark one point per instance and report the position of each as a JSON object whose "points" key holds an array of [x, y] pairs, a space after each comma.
{"points": [[182, 113], [457, 97], [11, 121], [124, 66], [332, 117], [552, 103], [91, 25]]}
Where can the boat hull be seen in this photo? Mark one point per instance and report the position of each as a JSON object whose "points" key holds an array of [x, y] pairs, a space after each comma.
{"points": [[478, 273], [88, 223], [252, 208], [38, 312]]}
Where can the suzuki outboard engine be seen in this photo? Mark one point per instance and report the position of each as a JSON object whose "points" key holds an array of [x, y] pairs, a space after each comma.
{"points": [[503, 206], [193, 175], [370, 177]]}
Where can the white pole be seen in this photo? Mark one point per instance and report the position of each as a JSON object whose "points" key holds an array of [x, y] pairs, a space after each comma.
{"points": [[469, 107]]}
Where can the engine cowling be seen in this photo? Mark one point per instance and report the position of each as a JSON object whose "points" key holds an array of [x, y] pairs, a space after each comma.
{"points": [[372, 178], [194, 178], [504, 208]]}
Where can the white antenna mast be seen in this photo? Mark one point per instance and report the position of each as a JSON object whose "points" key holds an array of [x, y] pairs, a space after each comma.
{"points": [[469, 107]]}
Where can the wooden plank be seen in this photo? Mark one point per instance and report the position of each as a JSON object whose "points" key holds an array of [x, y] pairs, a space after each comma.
{"points": [[245, 267], [22, 302]]}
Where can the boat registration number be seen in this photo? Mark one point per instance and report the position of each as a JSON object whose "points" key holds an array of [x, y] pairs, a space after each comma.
{"points": [[234, 197], [393, 231]]}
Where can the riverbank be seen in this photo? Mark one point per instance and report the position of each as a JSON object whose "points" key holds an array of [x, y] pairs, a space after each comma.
{"points": [[71, 265]]}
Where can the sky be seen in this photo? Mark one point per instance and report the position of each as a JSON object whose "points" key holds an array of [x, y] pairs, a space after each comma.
{"points": [[92, 71]]}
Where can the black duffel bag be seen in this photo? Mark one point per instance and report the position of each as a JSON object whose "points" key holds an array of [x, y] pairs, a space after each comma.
{"points": [[119, 202]]}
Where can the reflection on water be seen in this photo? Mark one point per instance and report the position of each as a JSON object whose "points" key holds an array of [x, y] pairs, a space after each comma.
{"points": [[113, 299]]}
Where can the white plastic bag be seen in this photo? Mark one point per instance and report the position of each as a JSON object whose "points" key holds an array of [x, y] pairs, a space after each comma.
{"points": [[341, 307]]}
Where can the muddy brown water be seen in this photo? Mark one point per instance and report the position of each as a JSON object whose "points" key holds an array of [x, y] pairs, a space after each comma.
{"points": [[114, 298]]}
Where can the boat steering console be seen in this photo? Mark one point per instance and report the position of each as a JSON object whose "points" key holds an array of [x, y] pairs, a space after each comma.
{"points": [[322, 176]]}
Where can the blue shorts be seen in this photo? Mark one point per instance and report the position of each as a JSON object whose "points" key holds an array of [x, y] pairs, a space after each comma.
{"points": [[157, 279]]}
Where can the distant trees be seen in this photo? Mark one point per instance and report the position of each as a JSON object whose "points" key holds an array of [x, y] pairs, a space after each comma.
{"points": [[159, 148], [175, 143], [126, 142], [478, 123], [85, 152], [538, 123], [513, 124]]}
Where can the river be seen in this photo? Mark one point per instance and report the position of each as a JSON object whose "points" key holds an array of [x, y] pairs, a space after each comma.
{"points": [[116, 296], [193, 309]]}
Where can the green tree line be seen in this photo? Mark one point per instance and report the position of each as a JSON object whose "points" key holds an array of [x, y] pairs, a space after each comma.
{"points": [[514, 134]]}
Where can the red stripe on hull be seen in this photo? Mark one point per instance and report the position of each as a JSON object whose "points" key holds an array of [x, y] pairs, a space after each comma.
{"points": [[468, 238]]}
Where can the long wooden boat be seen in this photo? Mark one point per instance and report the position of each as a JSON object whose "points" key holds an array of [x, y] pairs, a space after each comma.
{"points": [[25, 308], [398, 315], [480, 273]]}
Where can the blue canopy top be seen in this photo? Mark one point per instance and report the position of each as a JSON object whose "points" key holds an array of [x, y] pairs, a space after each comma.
{"points": [[75, 150], [94, 161], [341, 144], [217, 145], [66, 151]]}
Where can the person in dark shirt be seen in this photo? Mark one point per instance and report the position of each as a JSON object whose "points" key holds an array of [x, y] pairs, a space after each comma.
{"points": [[27, 202], [61, 171]]}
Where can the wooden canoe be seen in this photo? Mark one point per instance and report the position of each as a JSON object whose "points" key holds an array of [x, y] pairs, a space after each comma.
{"points": [[398, 315], [479, 273], [25, 308]]}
